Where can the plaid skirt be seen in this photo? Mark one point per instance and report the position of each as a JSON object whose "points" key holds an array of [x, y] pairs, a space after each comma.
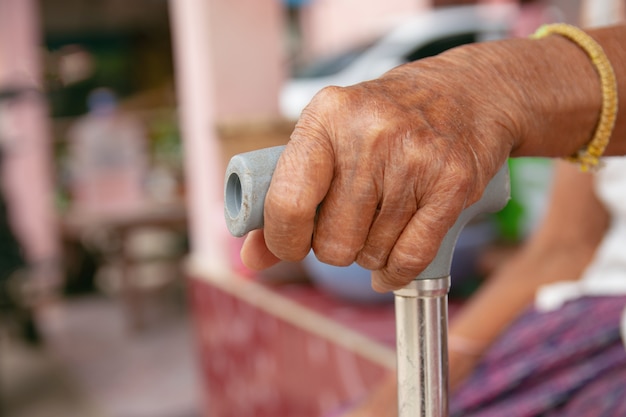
{"points": [[565, 363]]}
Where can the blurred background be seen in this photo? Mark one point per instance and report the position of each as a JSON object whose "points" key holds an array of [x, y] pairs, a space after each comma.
{"points": [[121, 293]]}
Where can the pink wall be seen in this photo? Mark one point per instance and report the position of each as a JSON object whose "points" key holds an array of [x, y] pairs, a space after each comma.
{"points": [[248, 56], [27, 172], [229, 67], [195, 85], [333, 25]]}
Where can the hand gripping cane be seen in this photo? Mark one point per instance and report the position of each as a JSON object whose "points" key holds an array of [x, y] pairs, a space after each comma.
{"points": [[421, 307]]}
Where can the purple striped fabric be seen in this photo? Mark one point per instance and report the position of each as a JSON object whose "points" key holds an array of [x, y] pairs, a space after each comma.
{"points": [[565, 363]]}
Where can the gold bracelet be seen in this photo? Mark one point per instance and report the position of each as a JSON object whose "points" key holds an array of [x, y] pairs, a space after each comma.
{"points": [[589, 157]]}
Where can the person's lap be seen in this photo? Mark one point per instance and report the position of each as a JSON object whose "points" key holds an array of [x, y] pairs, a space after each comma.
{"points": [[563, 363]]}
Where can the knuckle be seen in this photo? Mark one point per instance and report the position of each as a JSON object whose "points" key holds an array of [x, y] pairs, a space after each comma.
{"points": [[370, 259], [330, 92], [385, 280], [457, 177], [406, 265], [286, 209], [334, 254], [324, 100], [286, 249]]}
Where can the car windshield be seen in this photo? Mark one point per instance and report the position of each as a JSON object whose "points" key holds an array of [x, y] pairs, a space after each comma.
{"points": [[331, 65]]}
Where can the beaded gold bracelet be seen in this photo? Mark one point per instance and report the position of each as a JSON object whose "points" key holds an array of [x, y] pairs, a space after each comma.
{"points": [[589, 157]]}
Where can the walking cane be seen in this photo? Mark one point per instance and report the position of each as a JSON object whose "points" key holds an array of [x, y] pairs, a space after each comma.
{"points": [[421, 307]]}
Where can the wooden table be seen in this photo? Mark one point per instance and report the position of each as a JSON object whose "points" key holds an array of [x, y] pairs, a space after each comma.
{"points": [[120, 225]]}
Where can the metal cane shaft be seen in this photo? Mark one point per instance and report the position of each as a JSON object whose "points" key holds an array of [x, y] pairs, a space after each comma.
{"points": [[422, 348]]}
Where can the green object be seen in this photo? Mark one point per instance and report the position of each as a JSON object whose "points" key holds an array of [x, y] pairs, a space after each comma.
{"points": [[509, 221], [530, 183]]}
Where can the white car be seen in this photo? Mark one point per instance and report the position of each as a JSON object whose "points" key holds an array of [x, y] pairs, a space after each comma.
{"points": [[420, 36]]}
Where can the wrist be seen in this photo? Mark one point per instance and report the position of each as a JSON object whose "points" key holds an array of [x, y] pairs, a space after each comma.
{"points": [[488, 75], [538, 91], [461, 363], [466, 346], [560, 98]]}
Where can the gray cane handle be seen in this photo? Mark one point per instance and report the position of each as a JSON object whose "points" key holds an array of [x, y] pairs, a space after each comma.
{"points": [[247, 180], [248, 177]]}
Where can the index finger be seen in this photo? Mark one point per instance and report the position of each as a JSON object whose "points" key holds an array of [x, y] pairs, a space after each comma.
{"points": [[299, 184]]}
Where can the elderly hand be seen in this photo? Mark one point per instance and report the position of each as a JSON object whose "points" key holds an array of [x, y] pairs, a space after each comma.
{"points": [[377, 173]]}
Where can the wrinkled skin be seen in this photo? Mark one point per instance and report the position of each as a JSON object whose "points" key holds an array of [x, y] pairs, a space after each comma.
{"points": [[377, 173], [390, 163]]}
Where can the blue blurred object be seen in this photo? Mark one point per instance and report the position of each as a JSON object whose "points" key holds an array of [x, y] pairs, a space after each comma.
{"points": [[353, 283], [296, 3], [472, 241], [102, 101]]}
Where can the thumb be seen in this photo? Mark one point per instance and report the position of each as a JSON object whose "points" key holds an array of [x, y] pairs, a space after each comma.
{"points": [[254, 252]]}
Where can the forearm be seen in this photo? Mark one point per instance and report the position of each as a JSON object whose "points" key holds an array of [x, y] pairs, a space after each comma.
{"points": [[564, 95], [571, 96], [492, 309], [506, 294], [546, 92], [560, 249]]}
